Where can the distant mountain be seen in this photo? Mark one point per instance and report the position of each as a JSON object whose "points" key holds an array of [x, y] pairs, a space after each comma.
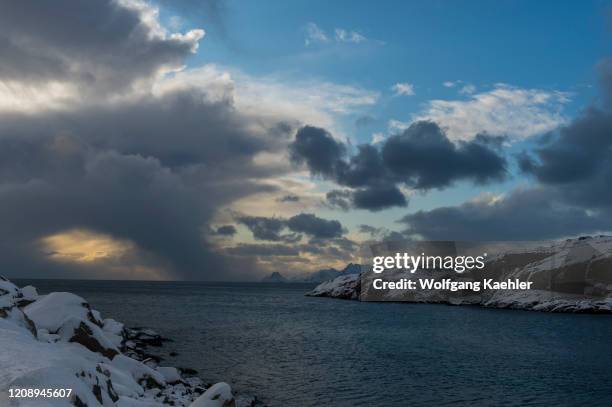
{"points": [[315, 277], [275, 277]]}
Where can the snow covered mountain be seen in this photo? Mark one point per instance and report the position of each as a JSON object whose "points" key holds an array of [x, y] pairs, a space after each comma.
{"points": [[59, 344], [573, 275]]}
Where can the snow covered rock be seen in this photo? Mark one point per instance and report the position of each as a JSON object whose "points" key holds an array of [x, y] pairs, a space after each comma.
{"points": [[50, 311], [219, 395], [573, 275], [343, 287], [170, 374], [89, 335], [58, 341]]}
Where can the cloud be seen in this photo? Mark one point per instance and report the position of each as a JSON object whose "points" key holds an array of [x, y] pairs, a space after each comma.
{"points": [[396, 126], [314, 34], [573, 193], [342, 35], [416, 156], [504, 110], [317, 35], [272, 229], [412, 158], [339, 199], [133, 152], [98, 48], [378, 138], [314, 226], [264, 228], [577, 160], [467, 89], [289, 198], [226, 230], [403, 89], [525, 214], [380, 233], [318, 150], [306, 100], [449, 84], [377, 198]]}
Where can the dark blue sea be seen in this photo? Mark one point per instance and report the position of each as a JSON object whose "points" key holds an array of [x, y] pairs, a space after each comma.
{"points": [[292, 350]]}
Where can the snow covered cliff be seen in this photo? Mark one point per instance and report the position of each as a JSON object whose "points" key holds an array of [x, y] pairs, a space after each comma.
{"points": [[57, 341], [573, 275]]}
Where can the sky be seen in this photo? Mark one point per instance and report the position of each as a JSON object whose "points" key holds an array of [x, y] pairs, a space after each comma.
{"points": [[224, 140]]}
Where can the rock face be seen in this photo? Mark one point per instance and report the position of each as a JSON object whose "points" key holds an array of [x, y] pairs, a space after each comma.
{"points": [[346, 287], [58, 341], [573, 275]]}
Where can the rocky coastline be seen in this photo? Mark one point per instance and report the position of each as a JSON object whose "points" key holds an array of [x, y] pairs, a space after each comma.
{"points": [[58, 341], [570, 276]]}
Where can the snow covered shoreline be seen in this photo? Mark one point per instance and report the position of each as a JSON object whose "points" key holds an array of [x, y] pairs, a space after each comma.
{"points": [[57, 341], [572, 276]]}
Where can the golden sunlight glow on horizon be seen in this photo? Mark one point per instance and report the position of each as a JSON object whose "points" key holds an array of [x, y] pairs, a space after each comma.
{"points": [[84, 246], [89, 248]]}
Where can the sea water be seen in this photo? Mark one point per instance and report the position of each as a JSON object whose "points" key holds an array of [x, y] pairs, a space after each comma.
{"points": [[290, 350]]}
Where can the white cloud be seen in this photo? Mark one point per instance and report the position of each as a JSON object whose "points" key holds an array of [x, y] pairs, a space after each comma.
{"points": [[309, 101], [378, 138], [397, 126], [343, 35], [403, 89], [314, 34], [317, 35], [467, 89], [504, 110], [16, 96]]}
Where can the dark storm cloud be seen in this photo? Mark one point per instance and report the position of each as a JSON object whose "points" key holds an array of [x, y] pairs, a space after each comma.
{"points": [[264, 228], [99, 45], [364, 168], [523, 215], [378, 198], [318, 150], [113, 169], [273, 229], [577, 160], [149, 169], [422, 157], [314, 226], [339, 199], [226, 230], [206, 133]]}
